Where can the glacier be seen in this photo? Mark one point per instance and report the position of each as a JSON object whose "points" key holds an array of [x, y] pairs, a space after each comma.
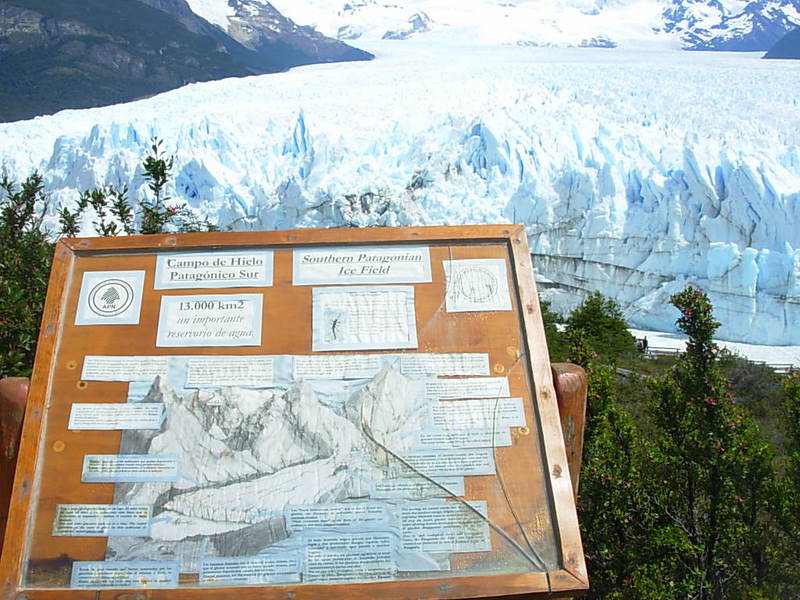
{"points": [[634, 171]]}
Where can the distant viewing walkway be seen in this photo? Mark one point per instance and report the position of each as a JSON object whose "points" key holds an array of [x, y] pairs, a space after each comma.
{"points": [[781, 358]]}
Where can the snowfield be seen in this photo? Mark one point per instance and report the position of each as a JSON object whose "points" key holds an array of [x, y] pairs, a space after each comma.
{"points": [[635, 172], [526, 22]]}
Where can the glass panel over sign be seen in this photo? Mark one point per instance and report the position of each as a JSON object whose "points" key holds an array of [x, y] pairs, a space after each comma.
{"points": [[296, 430]]}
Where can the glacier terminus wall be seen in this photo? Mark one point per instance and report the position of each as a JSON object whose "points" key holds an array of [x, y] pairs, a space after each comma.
{"points": [[635, 173]]}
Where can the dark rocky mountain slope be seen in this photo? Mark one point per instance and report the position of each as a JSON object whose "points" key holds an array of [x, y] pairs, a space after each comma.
{"points": [[257, 25], [787, 47], [57, 54]]}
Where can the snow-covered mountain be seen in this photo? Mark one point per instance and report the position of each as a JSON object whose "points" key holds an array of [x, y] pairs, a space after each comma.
{"points": [[693, 24], [735, 26], [634, 172], [257, 25]]}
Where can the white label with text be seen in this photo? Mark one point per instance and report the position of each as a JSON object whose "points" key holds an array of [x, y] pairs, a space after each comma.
{"points": [[337, 366], [189, 270], [438, 526], [316, 516], [250, 570], [124, 574], [469, 387], [492, 414], [448, 439], [443, 463], [214, 320], [107, 417], [130, 468], [356, 557], [445, 364], [347, 266], [379, 317], [241, 371], [417, 488], [90, 520], [124, 368]]}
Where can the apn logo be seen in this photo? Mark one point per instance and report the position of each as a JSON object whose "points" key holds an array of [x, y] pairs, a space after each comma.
{"points": [[110, 297]]}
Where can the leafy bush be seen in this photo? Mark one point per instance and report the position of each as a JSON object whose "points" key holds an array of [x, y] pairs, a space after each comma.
{"points": [[602, 328], [25, 256], [684, 501], [613, 508], [714, 466], [114, 214], [556, 342], [787, 493]]}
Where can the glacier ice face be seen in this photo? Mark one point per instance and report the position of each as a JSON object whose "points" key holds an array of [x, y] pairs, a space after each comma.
{"points": [[634, 173]]}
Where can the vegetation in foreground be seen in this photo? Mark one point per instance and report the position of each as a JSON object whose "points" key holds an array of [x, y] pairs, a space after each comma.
{"points": [[682, 494]]}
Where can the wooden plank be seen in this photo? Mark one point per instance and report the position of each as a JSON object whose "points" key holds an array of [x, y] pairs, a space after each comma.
{"points": [[296, 237], [13, 395], [571, 390], [553, 437], [23, 494]]}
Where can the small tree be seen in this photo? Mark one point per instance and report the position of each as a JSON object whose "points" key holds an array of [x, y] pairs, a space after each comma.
{"points": [[112, 210], [615, 516], [787, 496], [603, 327], [25, 256], [157, 170], [712, 468], [555, 339], [114, 214]]}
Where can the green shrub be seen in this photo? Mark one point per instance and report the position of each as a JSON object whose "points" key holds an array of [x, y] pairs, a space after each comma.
{"points": [[25, 256], [602, 327], [114, 214], [556, 343], [713, 467], [612, 507]]}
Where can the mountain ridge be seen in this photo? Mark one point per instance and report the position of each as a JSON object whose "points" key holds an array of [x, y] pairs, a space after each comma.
{"points": [[730, 25], [257, 25], [788, 47], [56, 54]]}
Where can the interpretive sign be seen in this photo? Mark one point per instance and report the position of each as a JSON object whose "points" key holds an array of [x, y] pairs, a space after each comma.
{"points": [[316, 413]]}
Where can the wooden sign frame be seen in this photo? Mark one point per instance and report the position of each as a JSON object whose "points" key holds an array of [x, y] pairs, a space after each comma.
{"points": [[535, 513]]}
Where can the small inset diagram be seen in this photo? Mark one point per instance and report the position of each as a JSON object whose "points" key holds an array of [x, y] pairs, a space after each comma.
{"points": [[476, 285], [336, 325]]}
